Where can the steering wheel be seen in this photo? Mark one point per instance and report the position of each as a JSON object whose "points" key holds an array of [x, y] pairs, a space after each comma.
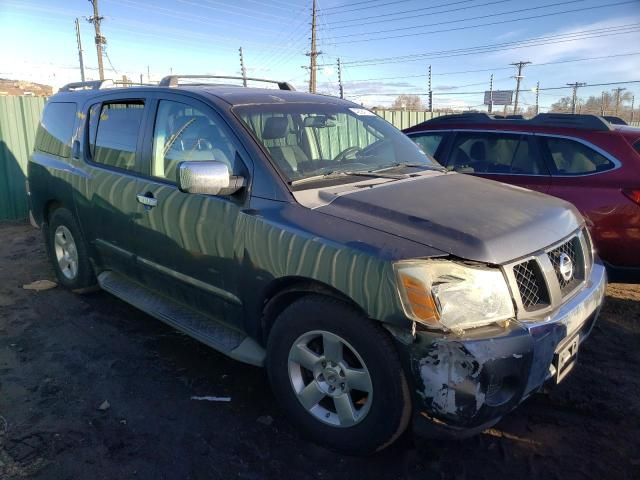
{"points": [[346, 152]]}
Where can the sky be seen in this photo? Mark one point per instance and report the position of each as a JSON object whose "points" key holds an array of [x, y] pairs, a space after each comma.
{"points": [[385, 46]]}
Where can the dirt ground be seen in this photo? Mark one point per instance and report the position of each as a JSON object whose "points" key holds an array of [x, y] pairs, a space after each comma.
{"points": [[62, 355]]}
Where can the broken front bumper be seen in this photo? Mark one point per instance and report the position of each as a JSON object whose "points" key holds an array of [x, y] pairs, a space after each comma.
{"points": [[465, 384]]}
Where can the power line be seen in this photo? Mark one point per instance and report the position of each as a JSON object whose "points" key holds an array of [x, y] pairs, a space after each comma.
{"points": [[496, 68], [221, 8], [403, 12], [359, 3], [493, 47], [477, 17], [499, 22], [627, 82], [383, 17]]}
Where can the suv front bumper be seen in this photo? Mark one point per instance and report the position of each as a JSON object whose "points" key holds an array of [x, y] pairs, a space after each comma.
{"points": [[465, 384]]}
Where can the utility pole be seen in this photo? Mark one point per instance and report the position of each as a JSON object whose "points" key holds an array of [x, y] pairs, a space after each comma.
{"points": [[141, 79], [518, 78], [574, 97], [313, 54], [602, 103], [340, 79], [618, 90], [490, 108], [100, 39], [80, 49], [537, 98], [148, 75], [633, 99], [430, 94], [242, 69]]}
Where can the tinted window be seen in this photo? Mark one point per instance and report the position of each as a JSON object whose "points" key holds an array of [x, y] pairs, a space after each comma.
{"points": [[574, 158], [429, 142], [637, 146], [118, 126], [480, 152], [183, 133], [56, 129]]}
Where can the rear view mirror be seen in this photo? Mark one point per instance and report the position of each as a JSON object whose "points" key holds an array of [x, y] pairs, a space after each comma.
{"points": [[319, 121], [208, 178]]}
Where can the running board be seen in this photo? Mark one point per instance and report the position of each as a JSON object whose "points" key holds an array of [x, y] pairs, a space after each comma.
{"points": [[205, 329]]}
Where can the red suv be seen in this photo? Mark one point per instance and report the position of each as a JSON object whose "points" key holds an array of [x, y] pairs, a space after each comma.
{"points": [[581, 158]]}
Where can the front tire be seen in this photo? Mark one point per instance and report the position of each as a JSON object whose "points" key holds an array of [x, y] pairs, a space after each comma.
{"points": [[337, 375], [68, 252]]}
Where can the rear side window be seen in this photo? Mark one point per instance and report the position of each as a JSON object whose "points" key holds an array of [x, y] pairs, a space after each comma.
{"points": [[574, 158], [637, 146], [428, 142], [495, 153], [56, 129], [114, 133]]}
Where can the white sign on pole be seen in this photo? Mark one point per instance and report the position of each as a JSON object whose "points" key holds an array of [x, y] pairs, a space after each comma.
{"points": [[500, 97]]}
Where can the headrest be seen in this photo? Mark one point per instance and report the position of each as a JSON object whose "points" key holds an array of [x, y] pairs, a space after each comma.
{"points": [[478, 151], [275, 127]]}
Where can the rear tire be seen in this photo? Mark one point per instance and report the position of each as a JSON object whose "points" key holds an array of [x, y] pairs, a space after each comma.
{"points": [[337, 375], [68, 252]]}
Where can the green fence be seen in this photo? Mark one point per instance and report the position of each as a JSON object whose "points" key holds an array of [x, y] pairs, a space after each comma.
{"points": [[19, 118], [401, 119]]}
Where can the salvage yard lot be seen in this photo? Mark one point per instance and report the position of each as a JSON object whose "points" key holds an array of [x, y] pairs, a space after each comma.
{"points": [[62, 355]]}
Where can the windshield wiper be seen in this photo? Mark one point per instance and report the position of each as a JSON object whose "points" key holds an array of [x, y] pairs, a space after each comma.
{"points": [[437, 168], [335, 174]]}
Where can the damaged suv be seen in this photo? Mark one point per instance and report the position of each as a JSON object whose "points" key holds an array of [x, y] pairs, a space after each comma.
{"points": [[305, 234]]}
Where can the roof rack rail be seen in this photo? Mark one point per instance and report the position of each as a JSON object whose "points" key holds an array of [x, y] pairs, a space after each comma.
{"points": [[571, 120], [91, 85], [172, 80], [567, 120]]}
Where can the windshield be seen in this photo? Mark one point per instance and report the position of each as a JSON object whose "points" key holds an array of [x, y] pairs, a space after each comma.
{"points": [[306, 141]]}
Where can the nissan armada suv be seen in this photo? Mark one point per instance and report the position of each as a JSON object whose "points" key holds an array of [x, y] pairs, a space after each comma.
{"points": [[307, 235]]}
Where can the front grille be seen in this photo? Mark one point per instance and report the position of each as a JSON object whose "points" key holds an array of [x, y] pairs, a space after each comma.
{"points": [[575, 274], [531, 286], [535, 281]]}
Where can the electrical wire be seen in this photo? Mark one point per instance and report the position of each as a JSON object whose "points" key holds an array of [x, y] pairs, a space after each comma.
{"points": [[499, 68], [499, 22], [494, 47], [477, 17], [359, 3]]}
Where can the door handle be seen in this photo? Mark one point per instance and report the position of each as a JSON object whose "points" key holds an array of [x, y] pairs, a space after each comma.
{"points": [[147, 199]]}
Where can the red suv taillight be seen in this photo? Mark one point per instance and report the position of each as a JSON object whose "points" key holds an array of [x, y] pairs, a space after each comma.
{"points": [[633, 194]]}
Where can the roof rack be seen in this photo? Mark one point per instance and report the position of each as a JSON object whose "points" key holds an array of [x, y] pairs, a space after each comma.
{"points": [[172, 80], [567, 120], [91, 85]]}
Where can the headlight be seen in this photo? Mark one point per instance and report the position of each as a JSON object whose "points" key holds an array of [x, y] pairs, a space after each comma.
{"points": [[451, 295]]}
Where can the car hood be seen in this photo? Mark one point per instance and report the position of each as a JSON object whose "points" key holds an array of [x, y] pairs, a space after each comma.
{"points": [[465, 216]]}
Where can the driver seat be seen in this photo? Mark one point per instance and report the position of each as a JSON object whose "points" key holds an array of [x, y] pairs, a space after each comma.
{"points": [[287, 157]]}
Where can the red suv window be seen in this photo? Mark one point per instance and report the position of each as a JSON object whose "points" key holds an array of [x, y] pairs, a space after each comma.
{"points": [[570, 157]]}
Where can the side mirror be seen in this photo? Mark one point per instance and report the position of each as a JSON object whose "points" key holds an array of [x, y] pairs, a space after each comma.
{"points": [[208, 178]]}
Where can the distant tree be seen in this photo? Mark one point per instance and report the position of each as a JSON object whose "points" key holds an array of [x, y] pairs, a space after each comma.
{"points": [[597, 104], [561, 106], [407, 102]]}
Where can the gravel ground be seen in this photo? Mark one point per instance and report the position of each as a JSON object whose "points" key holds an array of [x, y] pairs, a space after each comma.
{"points": [[62, 355]]}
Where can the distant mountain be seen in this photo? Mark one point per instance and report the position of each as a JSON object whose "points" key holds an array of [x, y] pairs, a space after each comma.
{"points": [[24, 88]]}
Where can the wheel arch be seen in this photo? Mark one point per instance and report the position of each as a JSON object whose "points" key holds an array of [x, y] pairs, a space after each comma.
{"points": [[282, 292]]}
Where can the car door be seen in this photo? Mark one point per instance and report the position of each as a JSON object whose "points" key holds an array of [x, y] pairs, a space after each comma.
{"points": [[578, 176], [106, 201], [186, 241], [508, 157]]}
